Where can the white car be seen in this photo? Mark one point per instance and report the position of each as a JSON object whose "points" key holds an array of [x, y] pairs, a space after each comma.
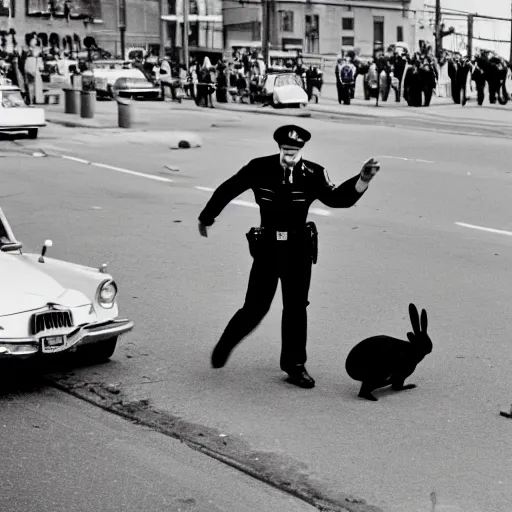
{"points": [[284, 90], [105, 78], [48, 306], [15, 115]]}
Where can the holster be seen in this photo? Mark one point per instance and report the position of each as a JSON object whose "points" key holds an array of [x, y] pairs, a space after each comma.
{"points": [[312, 231], [255, 239]]}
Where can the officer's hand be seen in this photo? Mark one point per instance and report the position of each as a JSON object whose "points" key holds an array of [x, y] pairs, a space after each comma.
{"points": [[369, 170], [203, 230]]}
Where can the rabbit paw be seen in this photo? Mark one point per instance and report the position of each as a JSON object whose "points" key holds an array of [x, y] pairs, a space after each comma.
{"points": [[368, 396], [404, 387]]}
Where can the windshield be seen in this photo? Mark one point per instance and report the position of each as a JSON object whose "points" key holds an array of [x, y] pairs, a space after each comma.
{"points": [[287, 80], [12, 99], [6, 234]]}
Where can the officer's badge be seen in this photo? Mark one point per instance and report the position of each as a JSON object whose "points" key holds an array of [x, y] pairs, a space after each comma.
{"points": [[293, 135]]}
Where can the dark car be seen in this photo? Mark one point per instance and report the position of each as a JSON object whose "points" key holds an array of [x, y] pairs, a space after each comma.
{"points": [[137, 88]]}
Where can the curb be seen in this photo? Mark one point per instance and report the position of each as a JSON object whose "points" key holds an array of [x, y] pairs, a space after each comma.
{"points": [[177, 139], [436, 125], [264, 110], [277, 471], [76, 123]]}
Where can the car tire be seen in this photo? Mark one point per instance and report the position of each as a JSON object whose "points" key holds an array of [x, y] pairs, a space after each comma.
{"points": [[99, 352], [32, 133]]}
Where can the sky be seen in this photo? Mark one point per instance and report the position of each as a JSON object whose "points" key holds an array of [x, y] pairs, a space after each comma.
{"points": [[487, 29]]}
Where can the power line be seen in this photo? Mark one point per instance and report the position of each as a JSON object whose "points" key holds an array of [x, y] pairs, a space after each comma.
{"points": [[482, 38]]}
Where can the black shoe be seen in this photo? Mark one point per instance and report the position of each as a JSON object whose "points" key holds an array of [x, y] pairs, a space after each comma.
{"points": [[300, 377], [220, 355]]}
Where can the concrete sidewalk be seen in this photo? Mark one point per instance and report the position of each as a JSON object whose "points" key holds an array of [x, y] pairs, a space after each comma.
{"points": [[442, 115]]}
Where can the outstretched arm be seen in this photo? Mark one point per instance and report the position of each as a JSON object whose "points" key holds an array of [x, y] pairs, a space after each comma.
{"points": [[224, 194], [348, 193]]}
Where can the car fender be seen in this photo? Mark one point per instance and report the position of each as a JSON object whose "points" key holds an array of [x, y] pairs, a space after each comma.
{"points": [[71, 275]]}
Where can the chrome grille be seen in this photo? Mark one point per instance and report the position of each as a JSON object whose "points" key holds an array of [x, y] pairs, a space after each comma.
{"points": [[50, 320]]}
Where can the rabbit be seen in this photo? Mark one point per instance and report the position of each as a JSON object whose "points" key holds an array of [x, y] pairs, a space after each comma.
{"points": [[382, 360]]}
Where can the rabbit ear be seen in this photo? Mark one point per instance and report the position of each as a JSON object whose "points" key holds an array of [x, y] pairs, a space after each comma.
{"points": [[415, 319], [411, 337], [424, 320]]}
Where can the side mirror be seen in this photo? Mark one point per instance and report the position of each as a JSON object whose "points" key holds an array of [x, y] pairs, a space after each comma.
{"points": [[47, 243]]}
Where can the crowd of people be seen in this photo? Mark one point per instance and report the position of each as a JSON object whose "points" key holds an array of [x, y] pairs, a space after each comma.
{"points": [[237, 79], [38, 58]]}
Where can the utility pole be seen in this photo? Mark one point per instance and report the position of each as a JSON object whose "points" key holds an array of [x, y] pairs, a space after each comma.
{"points": [[265, 31], [510, 59], [122, 26], [471, 19], [186, 9], [163, 27], [439, 39]]}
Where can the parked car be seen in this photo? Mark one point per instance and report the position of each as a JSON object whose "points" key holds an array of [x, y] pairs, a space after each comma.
{"points": [[283, 90], [137, 88], [106, 74], [49, 306], [15, 115]]}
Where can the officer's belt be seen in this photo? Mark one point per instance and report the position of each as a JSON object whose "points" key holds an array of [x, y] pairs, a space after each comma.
{"points": [[282, 235]]}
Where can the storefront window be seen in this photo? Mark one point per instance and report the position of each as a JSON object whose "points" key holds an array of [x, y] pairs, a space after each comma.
{"points": [[312, 34], [76, 9], [4, 7]]}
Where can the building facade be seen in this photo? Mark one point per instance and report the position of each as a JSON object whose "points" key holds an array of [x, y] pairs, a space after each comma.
{"points": [[323, 27], [205, 26], [143, 26], [65, 18]]}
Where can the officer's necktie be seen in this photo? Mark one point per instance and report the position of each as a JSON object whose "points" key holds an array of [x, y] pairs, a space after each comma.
{"points": [[287, 176]]}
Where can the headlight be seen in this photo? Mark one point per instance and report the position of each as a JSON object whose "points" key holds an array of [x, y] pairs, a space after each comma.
{"points": [[107, 293]]}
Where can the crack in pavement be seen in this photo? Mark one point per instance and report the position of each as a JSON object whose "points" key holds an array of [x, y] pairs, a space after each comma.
{"points": [[279, 471]]}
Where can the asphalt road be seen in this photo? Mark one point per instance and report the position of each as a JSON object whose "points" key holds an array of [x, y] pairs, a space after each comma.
{"points": [[415, 236], [60, 454]]}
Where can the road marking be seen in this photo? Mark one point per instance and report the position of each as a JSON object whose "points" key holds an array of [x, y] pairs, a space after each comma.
{"points": [[481, 228], [245, 203], [407, 159], [240, 202], [75, 159], [320, 211], [118, 169]]}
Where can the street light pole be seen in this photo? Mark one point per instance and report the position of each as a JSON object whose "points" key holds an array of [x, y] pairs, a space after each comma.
{"points": [[163, 27], [439, 37], [265, 31], [510, 59], [122, 26], [186, 28], [470, 36]]}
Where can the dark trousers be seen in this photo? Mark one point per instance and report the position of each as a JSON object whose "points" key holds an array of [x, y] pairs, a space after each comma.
{"points": [[290, 263]]}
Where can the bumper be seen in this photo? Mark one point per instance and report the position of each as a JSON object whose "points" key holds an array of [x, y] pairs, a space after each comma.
{"points": [[143, 93], [21, 127], [21, 348]]}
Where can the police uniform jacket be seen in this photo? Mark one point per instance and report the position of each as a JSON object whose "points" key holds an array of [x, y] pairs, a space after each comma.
{"points": [[283, 205]]}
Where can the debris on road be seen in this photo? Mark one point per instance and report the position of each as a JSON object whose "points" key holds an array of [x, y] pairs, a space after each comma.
{"points": [[506, 412]]}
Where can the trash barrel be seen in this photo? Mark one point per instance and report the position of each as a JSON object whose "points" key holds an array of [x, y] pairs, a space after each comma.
{"points": [[87, 100], [124, 112], [71, 101]]}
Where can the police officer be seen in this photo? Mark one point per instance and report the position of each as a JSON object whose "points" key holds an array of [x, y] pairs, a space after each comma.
{"points": [[284, 186]]}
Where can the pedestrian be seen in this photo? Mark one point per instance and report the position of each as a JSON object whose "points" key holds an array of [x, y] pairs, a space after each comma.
{"points": [[284, 246]]}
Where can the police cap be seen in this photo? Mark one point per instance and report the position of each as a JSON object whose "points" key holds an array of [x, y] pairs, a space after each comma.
{"points": [[291, 135]]}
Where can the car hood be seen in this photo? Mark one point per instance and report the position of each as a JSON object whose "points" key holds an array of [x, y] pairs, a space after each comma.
{"points": [[24, 287]]}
